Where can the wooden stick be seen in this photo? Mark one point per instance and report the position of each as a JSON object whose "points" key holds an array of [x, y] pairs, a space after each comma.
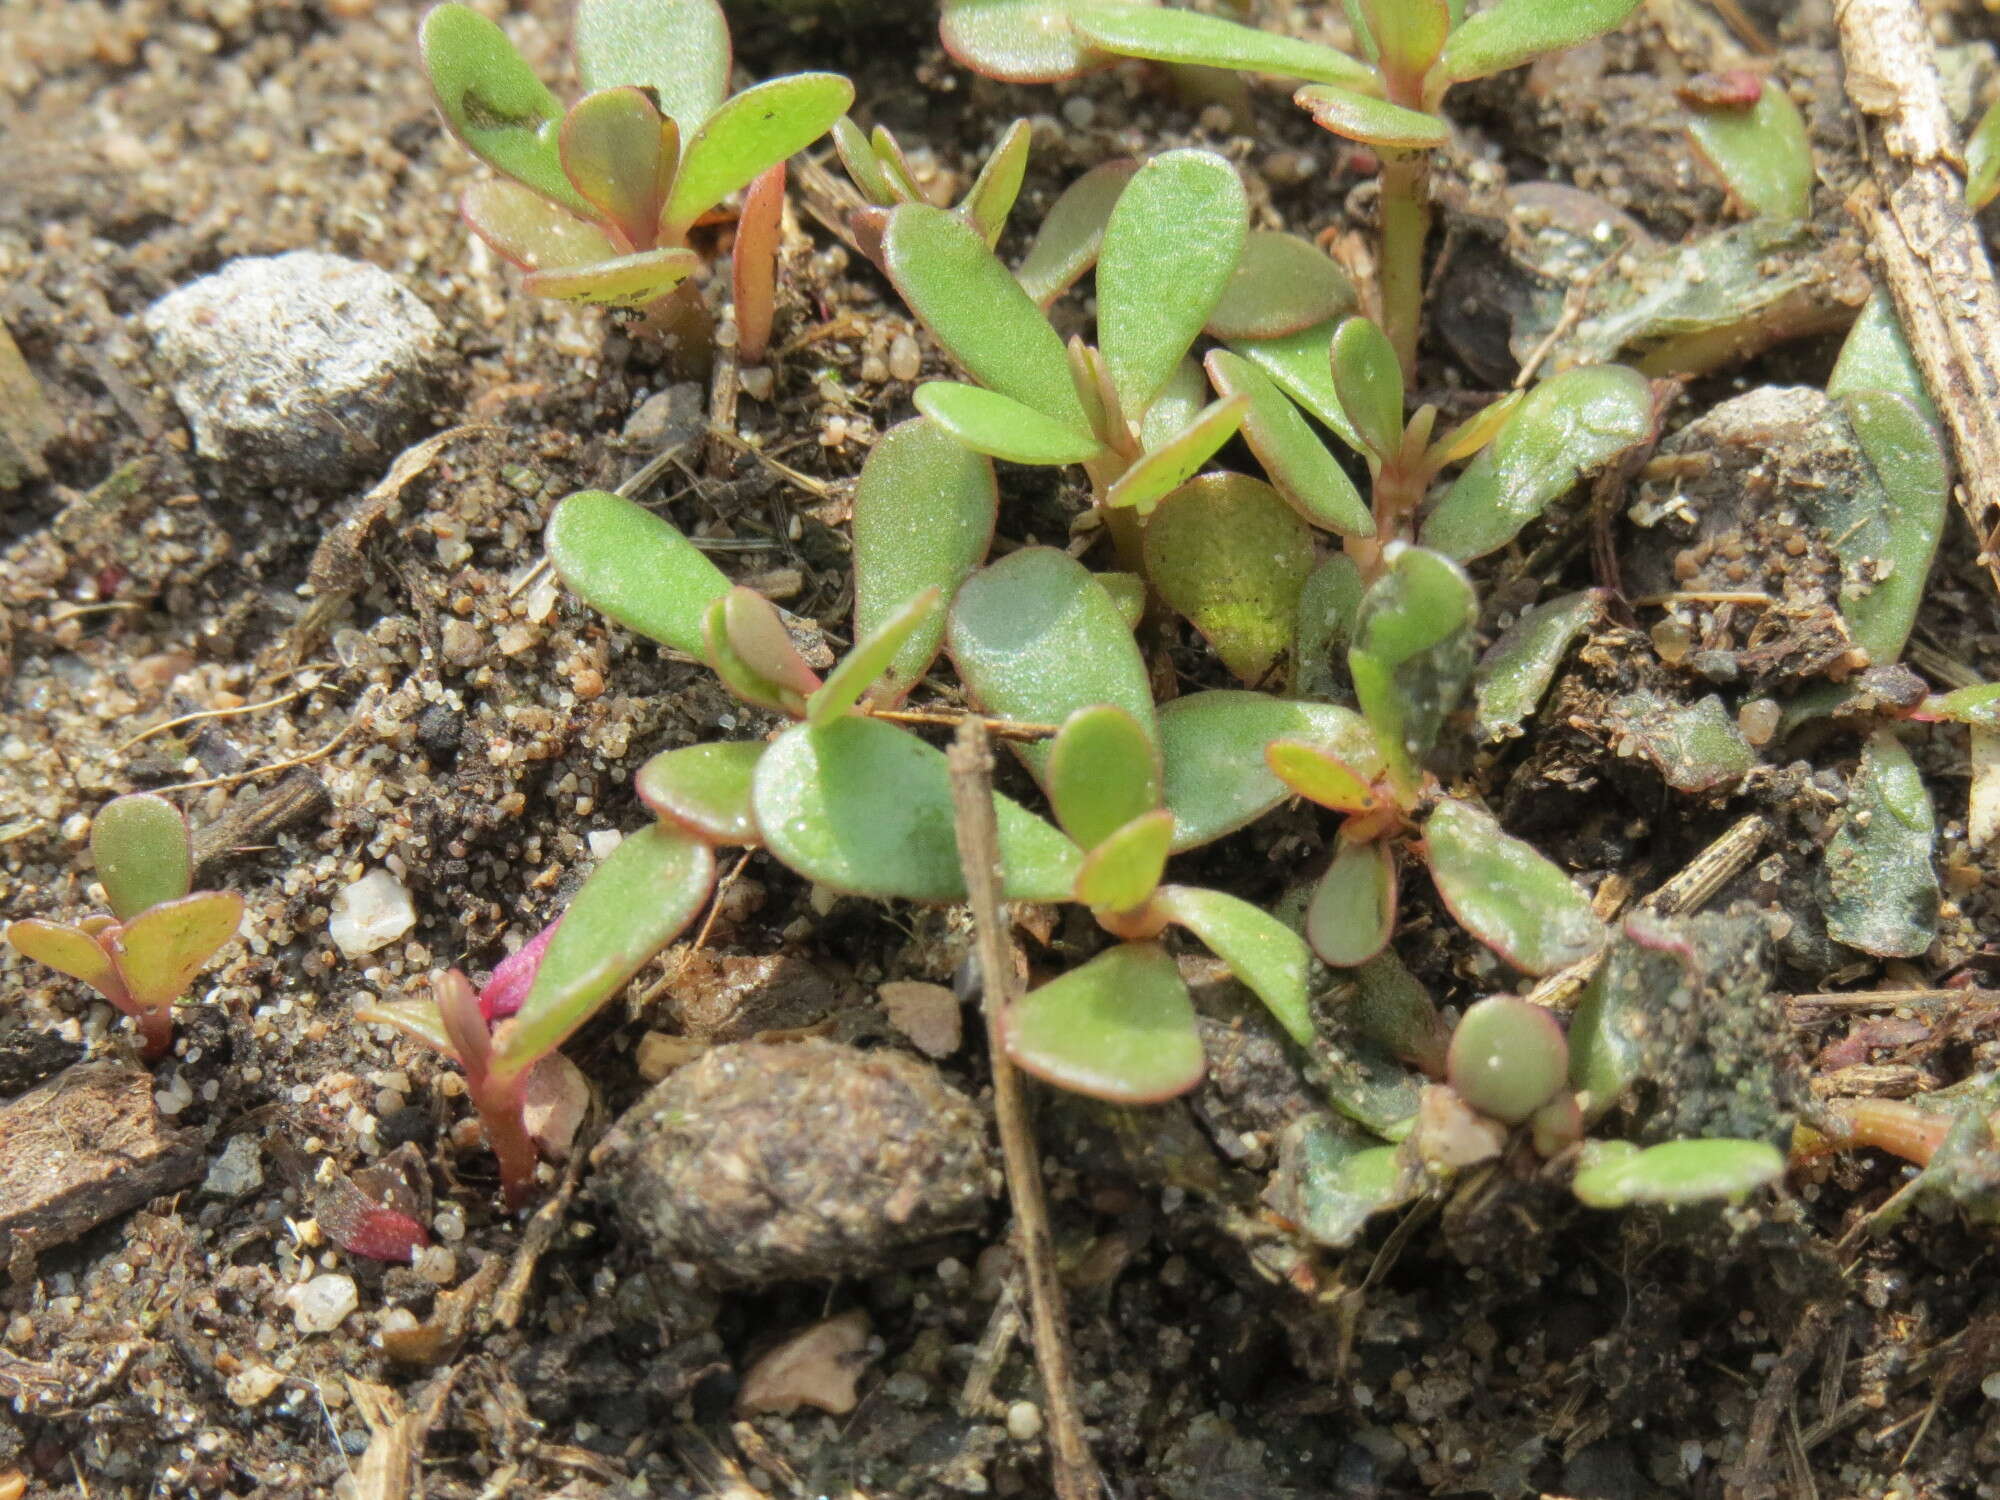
{"points": [[1928, 244], [1074, 1469]]}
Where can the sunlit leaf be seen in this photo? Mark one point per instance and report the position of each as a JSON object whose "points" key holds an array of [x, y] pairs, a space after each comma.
{"points": [[1322, 777], [529, 231], [1035, 637], [417, 1019], [677, 48], [861, 806], [1761, 153], [1982, 159], [464, 1021], [1227, 553], [1876, 357], [1172, 241], [1193, 40], [864, 168], [1372, 121], [1616, 1174], [1300, 467], [1174, 410], [625, 281], [745, 643], [1569, 425], [630, 565], [1328, 604], [1125, 866], [611, 146], [1412, 655], [1066, 243], [1168, 467], [507, 987], [951, 280], [1301, 366], [1261, 951], [1212, 745], [1978, 705], [747, 135], [894, 161], [1474, 433], [1881, 889], [1120, 1028], [631, 906], [1017, 41], [1370, 384], [493, 101], [1507, 1058], [1104, 771], [1408, 34], [753, 263], [705, 789], [1282, 284], [1353, 910], [991, 197], [140, 845], [872, 656], [159, 951], [67, 950], [1517, 669], [1505, 894], [1885, 555], [1511, 32], [1001, 427], [923, 518]]}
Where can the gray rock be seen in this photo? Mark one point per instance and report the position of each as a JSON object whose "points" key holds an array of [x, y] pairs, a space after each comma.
{"points": [[797, 1161], [302, 369]]}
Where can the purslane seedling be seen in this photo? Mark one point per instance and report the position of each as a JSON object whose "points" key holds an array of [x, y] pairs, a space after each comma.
{"points": [[159, 933]]}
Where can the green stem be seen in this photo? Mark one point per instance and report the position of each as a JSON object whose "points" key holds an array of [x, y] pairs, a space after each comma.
{"points": [[1406, 225]]}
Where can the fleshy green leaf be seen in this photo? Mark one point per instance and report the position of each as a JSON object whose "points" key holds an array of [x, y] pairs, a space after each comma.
{"points": [[1412, 655], [1174, 410], [1507, 1058], [1104, 771], [863, 807], [705, 789], [1213, 743], [1168, 467], [1474, 433], [1125, 867], [1517, 669], [1128, 592], [631, 566], [1328, 604], [746, 136], [1121, 1027], [1300, 467], [1391, 1009], [1353, 910], [159, 951], [923, 518], [872, 656], [1512, 32], [1171, 244], [1982, 159], [1696, 746], [1507, 895], [1260, 950], [493, 101], [1227, 553], [1066, 244], [1408, 34], [1978, 705], [1036, 637], [1333, 1182], [1876, 357], [1321, 777], [1001, 427], [1569, 425], [1616, 1174], [1192, 40], [745, 643], [948, 277], [677, 48], [416, 1019], [631, 906], [865, 169], [991, 197], [1882, 892], [140, 844], [1885, 556], [611, 151], [1282, 284], [1017, 41], [1369, 382], [529, 231], [1301, 366], [1372, 121], [626, 281], [1761, 153], [67, 950]]}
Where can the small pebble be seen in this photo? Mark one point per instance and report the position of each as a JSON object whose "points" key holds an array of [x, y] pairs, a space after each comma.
{"points": [[253, 1384], [369, 914], [1079, 112], [1024, 1421], [236, 1169], [906, 360], [320, 1305]]}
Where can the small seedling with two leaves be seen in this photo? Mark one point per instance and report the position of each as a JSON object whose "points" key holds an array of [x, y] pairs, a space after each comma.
{"points": [[597, 202], [159, 933]]}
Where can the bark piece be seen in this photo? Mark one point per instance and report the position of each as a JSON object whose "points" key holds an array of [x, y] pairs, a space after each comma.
{"points": [[85, 1147]]}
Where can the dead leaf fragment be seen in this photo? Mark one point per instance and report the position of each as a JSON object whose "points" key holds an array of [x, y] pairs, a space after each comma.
{"points": [[816, 1367], [928, 1014]]}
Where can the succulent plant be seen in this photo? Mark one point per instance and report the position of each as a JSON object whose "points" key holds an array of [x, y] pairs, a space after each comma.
{"points": [[159, 933]]}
